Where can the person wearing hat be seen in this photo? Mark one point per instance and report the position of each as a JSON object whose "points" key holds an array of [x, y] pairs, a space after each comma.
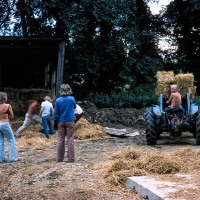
{"points": [[46, 112], [65, 117]]}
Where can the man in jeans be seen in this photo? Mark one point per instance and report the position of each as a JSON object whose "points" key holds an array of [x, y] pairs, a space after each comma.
{"points": [[46, 112], [65, 117], [30, 116]]}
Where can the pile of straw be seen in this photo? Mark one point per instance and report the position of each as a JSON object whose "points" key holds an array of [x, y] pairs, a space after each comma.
{"points": [[85, 130], [154, 163]]}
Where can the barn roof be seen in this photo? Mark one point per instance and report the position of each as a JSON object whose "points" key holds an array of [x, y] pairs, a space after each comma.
{"points": [[33, 47]]}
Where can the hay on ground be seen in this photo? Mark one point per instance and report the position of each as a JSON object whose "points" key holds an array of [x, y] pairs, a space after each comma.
{"points": [[85, 130], [157, 163]]}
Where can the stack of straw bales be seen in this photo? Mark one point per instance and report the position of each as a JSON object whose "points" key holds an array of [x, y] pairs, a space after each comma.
{"points": [[164, 80], [185, 83]]}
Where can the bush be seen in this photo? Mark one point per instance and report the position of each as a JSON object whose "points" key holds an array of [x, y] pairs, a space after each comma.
{"points": [[127, 99], [196, 100]]}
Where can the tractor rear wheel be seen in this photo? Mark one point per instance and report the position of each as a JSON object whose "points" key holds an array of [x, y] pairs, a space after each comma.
{"points": [[151, 135], [198, 128]]}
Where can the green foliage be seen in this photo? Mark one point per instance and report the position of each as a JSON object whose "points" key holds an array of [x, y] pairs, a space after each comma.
{"points": [[138, 98], [196, 100]]}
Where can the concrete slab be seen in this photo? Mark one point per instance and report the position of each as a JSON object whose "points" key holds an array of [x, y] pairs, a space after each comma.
{"points": [[152, 189]]}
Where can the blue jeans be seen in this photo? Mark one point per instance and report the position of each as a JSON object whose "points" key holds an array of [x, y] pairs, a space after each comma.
{"points": [[6, 132], [47, 126]]}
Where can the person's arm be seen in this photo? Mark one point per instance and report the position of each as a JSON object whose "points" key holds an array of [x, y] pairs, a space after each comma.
{"points": [[52, 111], [11, 115], [171, 97], [31, 109], [41, 109], [55, 112]]}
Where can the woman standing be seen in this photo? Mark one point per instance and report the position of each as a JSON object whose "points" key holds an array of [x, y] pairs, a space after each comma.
{"points": [[65, 117], [6, 113]]}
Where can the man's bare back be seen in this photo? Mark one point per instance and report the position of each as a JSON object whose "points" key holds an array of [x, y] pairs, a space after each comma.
{"points": [[175, 97]]}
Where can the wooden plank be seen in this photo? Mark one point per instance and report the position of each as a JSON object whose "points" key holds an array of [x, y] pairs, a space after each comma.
{"points": [[60, 66]]}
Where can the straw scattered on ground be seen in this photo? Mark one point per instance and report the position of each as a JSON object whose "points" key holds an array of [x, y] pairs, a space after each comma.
{"points": [[134, 162], [34, 136], [85, 130]]}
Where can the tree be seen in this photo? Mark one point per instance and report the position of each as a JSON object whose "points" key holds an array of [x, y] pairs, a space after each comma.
{"points": [[182, 20], [110, 43]]}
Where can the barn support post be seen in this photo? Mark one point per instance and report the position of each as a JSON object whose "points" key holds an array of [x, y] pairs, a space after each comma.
{"points": [[47, 75], [0, 75], [60, 67], [53, 82]]}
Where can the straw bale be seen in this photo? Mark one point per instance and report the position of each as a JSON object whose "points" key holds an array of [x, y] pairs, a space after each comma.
{"points": [[184, 80], [163, 88], [85, 130], [190, 89], [165, 77]]}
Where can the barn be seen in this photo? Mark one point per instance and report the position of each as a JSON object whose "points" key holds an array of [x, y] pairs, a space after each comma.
{"points": [[30, 62]]}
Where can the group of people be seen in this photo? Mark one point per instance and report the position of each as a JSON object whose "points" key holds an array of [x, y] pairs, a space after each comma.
{"points": [[65, 113]]}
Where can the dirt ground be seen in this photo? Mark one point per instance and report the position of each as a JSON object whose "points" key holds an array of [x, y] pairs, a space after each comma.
{"points": [[38, 176]]}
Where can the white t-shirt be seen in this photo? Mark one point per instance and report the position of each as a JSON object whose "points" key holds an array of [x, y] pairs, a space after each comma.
{"points": [[46, 108], [78, 109]]}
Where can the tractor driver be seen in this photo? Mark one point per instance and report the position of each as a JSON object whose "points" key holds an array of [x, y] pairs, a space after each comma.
{"points": [[175, 98]]}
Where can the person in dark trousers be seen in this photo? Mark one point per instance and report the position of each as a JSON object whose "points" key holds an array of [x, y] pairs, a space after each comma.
{"points": [[6, 113], [64, 117]]}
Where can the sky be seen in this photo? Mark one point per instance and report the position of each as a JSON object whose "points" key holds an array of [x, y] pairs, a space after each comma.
{"points": [[155, 7]]}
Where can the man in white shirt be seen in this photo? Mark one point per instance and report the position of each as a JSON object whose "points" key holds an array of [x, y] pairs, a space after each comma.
{"points": [[78, 112], [46, 112]]}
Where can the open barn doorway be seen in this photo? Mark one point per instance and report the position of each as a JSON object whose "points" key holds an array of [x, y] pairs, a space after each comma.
{"points": [[27, 62], [27, 74]]}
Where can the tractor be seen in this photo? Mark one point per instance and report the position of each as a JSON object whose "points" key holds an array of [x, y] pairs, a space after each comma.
{"points": [[175, 122]]}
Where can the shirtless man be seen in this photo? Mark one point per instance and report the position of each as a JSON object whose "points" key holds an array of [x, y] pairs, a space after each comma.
{"points": [[175, 97], [30, 116]]}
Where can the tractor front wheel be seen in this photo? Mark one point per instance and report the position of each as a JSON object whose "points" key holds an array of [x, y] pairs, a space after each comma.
{"points": [[198, 128]]}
